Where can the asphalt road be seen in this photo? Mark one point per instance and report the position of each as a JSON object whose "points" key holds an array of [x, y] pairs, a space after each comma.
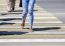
{"points": [[32, 44], [51, 8], [57, 7]]}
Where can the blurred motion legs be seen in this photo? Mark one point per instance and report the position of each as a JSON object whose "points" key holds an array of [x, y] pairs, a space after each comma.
{"points": [[28, 7]]}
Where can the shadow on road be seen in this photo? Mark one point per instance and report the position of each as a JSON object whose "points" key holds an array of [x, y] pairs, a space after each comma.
{"points": [[5, 23], [48, 28], [15, 12], [22, 10], [9, 19], [10, 13], [20, 33], [11, 33]]}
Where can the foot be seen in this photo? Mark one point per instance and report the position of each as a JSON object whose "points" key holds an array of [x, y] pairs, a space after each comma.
{"points": [[30, 29], [22, 26]]}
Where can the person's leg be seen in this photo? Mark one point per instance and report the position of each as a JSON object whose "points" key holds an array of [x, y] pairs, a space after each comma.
{"points": [[25, 11], [20, 4], [30, 13], [11, 5]]}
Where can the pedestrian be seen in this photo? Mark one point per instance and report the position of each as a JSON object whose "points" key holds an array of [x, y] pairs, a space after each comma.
{"points": [[20, 4], [11, 5], [28, 7]]}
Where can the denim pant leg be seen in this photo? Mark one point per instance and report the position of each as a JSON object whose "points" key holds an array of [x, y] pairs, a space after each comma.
{"points": [[30, 12], [25, 8]]}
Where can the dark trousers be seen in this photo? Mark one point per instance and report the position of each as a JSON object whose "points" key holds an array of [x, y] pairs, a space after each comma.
{"points": [[20, 4]]}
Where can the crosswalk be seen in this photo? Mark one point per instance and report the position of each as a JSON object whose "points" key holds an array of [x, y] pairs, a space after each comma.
{"points": [[43, 20]]}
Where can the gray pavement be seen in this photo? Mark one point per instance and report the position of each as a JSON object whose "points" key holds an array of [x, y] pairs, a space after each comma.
{"points": [[57, 7], [33, 44]]}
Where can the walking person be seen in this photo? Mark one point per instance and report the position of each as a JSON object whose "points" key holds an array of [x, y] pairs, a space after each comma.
{"points": [[28, 7], [11, 5]]}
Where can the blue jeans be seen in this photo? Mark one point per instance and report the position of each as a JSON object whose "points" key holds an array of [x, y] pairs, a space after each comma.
{"points": [[28, 7]]}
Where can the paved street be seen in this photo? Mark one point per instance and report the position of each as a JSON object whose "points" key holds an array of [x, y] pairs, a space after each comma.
{"points": [[49, 21], [54, 6], [33, 44]]}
